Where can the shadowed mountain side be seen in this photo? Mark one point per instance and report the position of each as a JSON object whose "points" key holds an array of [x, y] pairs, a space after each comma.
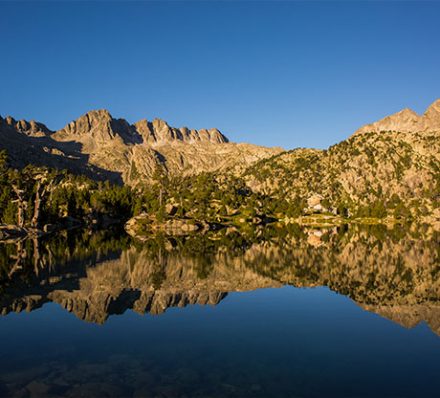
{"points": [[395, 272], [102, 147], [40, 149]]}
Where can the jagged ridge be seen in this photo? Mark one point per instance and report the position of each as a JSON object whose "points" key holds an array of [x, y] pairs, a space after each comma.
{"points": [[103, 147], [103, 127], [407, 121]]}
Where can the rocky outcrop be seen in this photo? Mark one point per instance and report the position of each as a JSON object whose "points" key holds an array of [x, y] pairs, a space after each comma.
{"points": [[99, 128], [31, 128], [407, 121], [159, 132]]}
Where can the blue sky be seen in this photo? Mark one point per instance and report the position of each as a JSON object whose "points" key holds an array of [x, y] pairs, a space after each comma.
{"points": [[276, 73]]}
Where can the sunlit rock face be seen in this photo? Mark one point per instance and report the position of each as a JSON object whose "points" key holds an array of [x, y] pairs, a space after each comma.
{"points": [[102, 147], [31, 128], [159, 132], [393, 273], [408, 121]]}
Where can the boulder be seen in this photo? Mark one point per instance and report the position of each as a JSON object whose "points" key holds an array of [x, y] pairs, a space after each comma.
{"points": [[171, 209]]}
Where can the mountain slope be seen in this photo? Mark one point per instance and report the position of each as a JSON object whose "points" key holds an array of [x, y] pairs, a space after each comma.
{"points": [[376, 171], [32, 143]]}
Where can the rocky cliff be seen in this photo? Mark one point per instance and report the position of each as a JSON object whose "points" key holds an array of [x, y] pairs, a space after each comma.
{"points": [[100, 146]]}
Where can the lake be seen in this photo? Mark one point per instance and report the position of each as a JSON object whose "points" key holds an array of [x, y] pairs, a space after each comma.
{"points": [[274, 312]]}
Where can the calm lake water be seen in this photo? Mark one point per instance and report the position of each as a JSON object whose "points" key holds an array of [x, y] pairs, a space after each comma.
{"points": [[347, 312]]}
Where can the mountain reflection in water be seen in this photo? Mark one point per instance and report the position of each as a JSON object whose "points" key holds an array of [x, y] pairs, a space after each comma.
{"points": [[394, 273], [65, 329]]}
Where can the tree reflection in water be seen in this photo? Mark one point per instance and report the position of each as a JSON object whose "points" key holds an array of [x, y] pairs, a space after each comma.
{"points": [[392, 272]]}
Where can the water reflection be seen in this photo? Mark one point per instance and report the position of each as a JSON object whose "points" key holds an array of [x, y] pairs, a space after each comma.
{"points": [[391, 272]]}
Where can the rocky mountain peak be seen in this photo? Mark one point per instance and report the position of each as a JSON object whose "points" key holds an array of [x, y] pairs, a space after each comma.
{"points": [[100, 126], [103, 147], [159, 132], [433, 111], [405, 113], [146, 131], [160, 124], [407, 120], [85, 124], [99, 114], [163, 132], [30, 128]]}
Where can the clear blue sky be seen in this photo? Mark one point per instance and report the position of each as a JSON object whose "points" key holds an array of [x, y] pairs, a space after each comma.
{"points": [[279, 73]]}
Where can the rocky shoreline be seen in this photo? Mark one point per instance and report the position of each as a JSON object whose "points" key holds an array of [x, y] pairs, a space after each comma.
{"points": [[145, 225]]}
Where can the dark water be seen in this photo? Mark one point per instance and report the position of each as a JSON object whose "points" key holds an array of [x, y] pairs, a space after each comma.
{"points": [[276, 313]]}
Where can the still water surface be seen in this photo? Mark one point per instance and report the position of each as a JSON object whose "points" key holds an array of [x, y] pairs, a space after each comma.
{"points": [[300, 313]]}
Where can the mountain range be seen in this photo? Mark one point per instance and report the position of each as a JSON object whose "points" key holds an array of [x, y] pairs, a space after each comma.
{"points": [[102, 147], [393, 163]]}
